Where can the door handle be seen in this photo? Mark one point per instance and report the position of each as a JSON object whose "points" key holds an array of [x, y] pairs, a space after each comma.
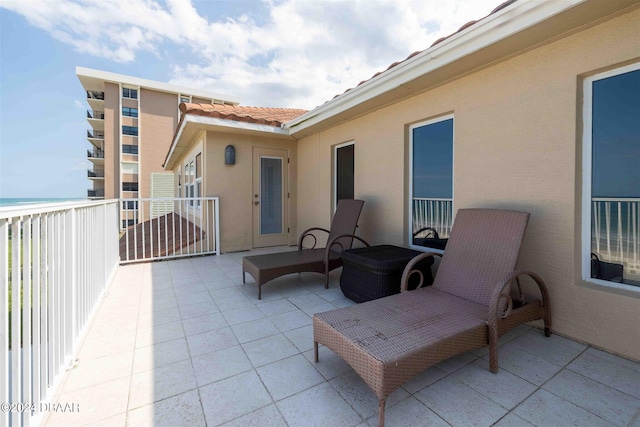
{"points": [[256, 203]]}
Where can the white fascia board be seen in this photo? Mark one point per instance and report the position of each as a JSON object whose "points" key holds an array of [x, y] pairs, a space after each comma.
{"points": [[493, 28], [151, 84], [221, 123]]}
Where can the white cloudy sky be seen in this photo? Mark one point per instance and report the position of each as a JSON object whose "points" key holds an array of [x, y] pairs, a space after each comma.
{"points": [[270, 53]]}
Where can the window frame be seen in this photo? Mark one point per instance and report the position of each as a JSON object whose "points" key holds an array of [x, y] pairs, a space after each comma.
{"points": [[129, 92], [130, 112], [130, 130], [587, 176], [129, 150], [335, 170], [412, 127], [192, 182], [129, 184]]}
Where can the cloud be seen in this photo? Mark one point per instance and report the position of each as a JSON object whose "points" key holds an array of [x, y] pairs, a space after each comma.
{"points": [[78, 104], [299, 54]]}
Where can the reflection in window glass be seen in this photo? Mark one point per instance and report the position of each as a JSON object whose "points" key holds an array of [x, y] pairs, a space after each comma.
{"points": [[615, 178], [431, 183]]}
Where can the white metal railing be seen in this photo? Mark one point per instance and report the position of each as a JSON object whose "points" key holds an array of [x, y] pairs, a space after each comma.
{"points": [[55, 262], [434, 213], [615, 230], [169, 228]]}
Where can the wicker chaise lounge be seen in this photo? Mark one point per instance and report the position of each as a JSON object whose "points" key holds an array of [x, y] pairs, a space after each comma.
{"points": [[321, 260], [390, 340]]}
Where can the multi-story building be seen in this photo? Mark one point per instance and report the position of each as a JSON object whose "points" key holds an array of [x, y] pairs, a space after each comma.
{"points": [[132, 121]]}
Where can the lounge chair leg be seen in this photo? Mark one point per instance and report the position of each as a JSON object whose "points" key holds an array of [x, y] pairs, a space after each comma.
{"points": [[315, 351], [381, 416], [259, 291], [243, 278], [547, 331]]}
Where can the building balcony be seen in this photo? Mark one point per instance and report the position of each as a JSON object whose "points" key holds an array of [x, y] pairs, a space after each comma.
{"points": [[96, 120], [96, 194], [95, 154], [98, 115], [95, 95], [95, 134], [175, 340], [186, 342], [95, 174]]}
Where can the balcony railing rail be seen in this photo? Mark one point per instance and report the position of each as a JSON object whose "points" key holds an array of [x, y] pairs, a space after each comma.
{"points": [[169, 228], [95, 173], [55, 262], [95, 134], [92, 94], [95, 114], [434, 213], [95, 154], [615, 231]]}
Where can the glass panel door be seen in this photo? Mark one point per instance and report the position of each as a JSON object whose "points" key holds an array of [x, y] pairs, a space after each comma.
{"points": [[271, 221]]}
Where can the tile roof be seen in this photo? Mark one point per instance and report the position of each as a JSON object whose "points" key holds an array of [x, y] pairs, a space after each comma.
{"points": [[440, 40], [258, 115]]}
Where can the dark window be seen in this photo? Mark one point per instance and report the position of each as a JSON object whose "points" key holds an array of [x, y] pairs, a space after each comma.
{"points": [[615, 177], [129, 93], [431, 182], [130, 130], [130, 205], [128, 222], [129, 149], [129, 112], [129, 186], [344, 172]]}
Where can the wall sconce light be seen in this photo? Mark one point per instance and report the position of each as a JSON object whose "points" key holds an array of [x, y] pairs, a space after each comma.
{"points": [[230, 155]]}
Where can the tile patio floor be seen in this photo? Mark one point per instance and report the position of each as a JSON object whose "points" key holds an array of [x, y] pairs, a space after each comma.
{"points": [[185, 343]]}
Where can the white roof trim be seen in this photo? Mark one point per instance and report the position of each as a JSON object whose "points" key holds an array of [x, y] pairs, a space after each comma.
{"points": [[229, 124], [151, 84], [491, 29]]}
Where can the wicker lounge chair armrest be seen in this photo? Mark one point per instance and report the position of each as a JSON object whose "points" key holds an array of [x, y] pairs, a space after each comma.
{"points": [[431, 230], [307, 232], [499, 293], [409, 270], [335, 242]]}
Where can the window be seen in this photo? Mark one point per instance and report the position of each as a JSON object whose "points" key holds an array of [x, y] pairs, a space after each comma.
{"points": [[129, 149], [611, 182], [129, 112], [129, 205], [130, 130], [185, 98], [431, 182], [344, 173], [193, 180], [129, 93], [129, 186], [128, 222]]}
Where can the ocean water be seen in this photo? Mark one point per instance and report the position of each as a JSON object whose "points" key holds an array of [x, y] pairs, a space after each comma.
{"points": [[21, 201]]}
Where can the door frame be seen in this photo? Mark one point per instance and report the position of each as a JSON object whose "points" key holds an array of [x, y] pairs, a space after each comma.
{"points": [[281, 239]]}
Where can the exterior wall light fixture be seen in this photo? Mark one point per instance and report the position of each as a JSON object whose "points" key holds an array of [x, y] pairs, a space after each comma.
{"points": [[230, 155]]}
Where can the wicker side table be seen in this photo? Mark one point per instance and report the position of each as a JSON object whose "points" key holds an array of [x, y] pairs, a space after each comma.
{"points": [[375, 272]]}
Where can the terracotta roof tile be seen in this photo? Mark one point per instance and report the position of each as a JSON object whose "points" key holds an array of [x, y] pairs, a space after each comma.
{"points": [[441, 39], [258, 115]]}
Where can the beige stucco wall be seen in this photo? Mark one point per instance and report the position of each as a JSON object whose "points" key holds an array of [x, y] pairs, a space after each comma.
{"points": [[517, 145], [158, 118], [233, 183]]}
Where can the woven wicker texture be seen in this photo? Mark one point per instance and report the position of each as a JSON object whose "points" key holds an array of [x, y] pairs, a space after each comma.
{"points": [[390, 340], [483, 247], [321, 260]]}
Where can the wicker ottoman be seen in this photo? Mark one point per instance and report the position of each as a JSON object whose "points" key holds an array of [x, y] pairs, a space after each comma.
{"points": [[375, 272]]}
